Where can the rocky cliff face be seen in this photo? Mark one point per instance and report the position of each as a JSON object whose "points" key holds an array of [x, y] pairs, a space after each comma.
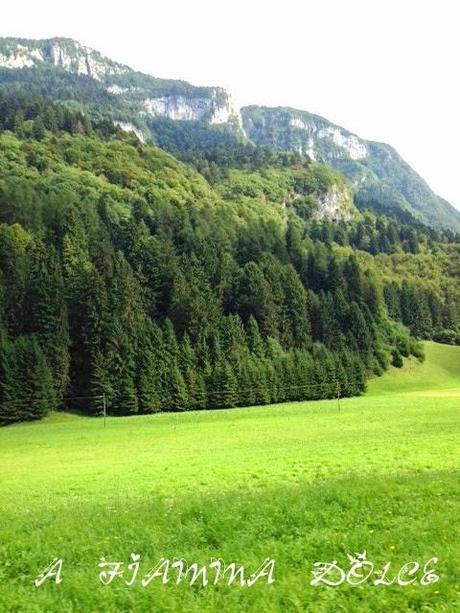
{"points": [[375, 170], [218, 108], [300, 131], [126, 126], [334, 205], [136, 101], [175, 100], [60, 52]]}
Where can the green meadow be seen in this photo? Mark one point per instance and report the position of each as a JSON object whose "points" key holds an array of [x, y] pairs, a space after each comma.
{"points": [[298, 483]]}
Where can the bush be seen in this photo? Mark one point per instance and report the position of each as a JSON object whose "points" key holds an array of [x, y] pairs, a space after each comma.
{"points": [[397, 360]]}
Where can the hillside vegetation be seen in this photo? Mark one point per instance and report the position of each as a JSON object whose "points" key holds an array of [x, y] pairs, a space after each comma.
{"points": [[244, 277], [382, 179], [183, 118], [440, 371]]}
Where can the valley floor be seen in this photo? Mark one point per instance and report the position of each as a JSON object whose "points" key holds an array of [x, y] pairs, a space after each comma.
{"points": [[298, 483]]}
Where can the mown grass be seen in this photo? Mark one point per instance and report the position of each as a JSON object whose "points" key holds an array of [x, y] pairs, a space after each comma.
{"points": [[299, 483], [440, 370]]}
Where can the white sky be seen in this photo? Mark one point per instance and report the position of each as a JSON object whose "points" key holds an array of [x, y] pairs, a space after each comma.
{"points": [[385, 69]]}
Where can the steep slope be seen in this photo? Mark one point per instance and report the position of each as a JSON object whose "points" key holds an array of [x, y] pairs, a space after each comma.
{"points": [[60, 52], [143, 98], [181, 117], [382, 179], [127, 275], [124, 273]]}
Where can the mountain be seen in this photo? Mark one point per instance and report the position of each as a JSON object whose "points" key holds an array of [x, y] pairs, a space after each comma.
{"points": [[179, 117], [137, 282], [118, 86], [380, 176], [61, 52]]}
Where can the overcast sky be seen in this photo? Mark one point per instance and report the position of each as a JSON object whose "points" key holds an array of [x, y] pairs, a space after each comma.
{"points": [[385, 69]]}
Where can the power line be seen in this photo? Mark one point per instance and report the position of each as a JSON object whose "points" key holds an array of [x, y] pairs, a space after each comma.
{"points": [[332, 387]]}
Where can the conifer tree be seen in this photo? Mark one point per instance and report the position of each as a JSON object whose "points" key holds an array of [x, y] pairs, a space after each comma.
{"points": [[193, 379], [9, 411], [353, 278], [46, 313], [179, 399], [358, 327], [296, 321], [254, 339], [392, 300], [101, 391], [257, 381], [334, 275], [34, 393], [224, 386], [38, 130], [255, 298]]}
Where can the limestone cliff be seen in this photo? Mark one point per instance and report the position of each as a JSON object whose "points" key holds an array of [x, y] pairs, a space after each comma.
{"points": [[60, 52], [176, 114]]}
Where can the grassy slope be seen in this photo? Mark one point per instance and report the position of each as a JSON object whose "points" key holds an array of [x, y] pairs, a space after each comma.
{"points": [[439, 371], [298, 482]]}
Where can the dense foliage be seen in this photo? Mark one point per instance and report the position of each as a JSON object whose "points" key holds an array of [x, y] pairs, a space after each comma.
{"points": [[63, 70], [380, 175], [126, 278]]}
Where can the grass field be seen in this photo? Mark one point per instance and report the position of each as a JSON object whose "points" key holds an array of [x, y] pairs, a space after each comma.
{"points": [[440, 371], [299, 483]]}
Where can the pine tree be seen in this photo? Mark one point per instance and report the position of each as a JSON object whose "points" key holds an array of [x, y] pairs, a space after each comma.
{"points": [[255, 298], [246, 396], [334, 275], [435, 307], [257, 381], [233, 340], [392, 300], [270, 380], [194, 383], [254, 339], [120, 355], [18, 126], [359, 328], [9, 410], [46, 313], [100, 391], [315, 316], [179, 400], [423, 325], [38, 130], [294, 245], [353, 278], [148, 383], [34, 391], [317, 268], [223, 392], [328, 322], [296, 320]]}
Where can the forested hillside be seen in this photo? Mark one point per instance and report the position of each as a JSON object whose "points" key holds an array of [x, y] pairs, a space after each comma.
{"points": [[186, 119], [380, 176], [240, 277]]}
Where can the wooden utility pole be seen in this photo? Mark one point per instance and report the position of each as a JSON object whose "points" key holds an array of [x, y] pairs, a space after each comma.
{"points": [[104, 405], [338, 395]]}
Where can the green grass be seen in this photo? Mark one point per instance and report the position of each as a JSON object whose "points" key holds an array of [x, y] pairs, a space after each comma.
{"points": [[440, 370], [298, 482]]}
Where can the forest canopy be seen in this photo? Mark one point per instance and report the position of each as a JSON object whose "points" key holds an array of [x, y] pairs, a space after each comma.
{"points": [[152, 284]]}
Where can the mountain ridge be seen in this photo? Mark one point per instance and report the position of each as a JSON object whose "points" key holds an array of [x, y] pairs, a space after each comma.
{"points": [[369, 165], [151, 107]]}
